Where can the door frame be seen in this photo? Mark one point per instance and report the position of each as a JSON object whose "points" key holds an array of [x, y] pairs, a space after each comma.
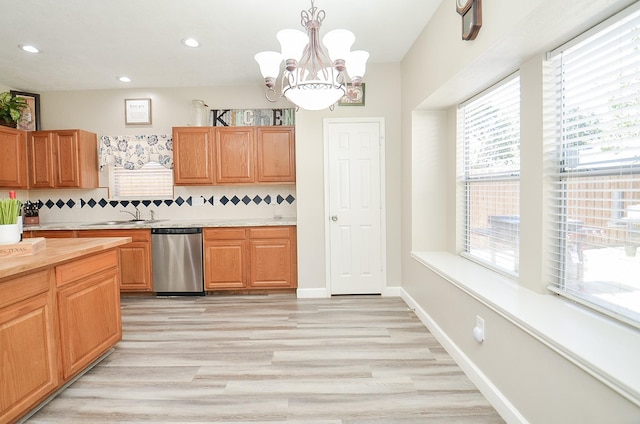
{"points": [[383, 215]]}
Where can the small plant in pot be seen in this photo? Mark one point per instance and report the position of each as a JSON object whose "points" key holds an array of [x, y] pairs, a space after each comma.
{"points": [[9, 227], [11, 109]]}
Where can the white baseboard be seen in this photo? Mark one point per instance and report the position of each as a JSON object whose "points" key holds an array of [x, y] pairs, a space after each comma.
{"points": [[392, 291], [324, 292], [505, 408], [313, 293]]}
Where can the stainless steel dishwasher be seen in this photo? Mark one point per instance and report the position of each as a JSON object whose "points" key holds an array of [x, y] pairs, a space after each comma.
{"points": [[177, 261]]}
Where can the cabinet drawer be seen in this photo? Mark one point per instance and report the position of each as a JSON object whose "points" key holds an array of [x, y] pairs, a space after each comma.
{"points": [[85, 267], [53, 233], [24, 287], [224, 233], [269, 233], [136, 235]]}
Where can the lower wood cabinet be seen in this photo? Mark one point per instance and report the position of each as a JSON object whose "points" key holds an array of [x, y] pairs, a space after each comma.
{"points": [[235, 258], [250, 258], [53, 323], [28, 355], [88, 300], [225, 258], [135, 258], [272, 257]]}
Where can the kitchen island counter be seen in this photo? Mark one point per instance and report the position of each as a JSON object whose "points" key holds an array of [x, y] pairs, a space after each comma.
{"points": [[57, 251], [59, 315]]}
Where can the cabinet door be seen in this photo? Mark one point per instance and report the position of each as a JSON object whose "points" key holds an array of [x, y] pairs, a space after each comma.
{"points": [[225, 264], [225, 258], [13, 158], [276, 155], [135, 267], [89, 320], [135, 258], [29, 360], [67, 166], [41, 160], [193, 150], [270, 263], [235, 152]]}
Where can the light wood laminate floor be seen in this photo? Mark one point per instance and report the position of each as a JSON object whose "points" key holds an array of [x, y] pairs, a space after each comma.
{"points": [[272, 358]]}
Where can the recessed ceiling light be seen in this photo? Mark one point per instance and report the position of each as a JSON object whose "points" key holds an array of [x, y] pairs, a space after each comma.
{"points": [[190, 42], [124, 79], [28, 48]]}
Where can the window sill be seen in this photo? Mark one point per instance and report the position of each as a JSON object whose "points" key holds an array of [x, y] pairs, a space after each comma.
{"points": [[608, 351]]}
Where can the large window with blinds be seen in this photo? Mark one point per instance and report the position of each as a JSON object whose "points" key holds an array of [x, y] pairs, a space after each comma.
{"points": [[489, 172], [596, 196]]}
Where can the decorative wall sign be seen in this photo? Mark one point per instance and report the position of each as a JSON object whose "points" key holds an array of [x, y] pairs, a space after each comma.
{"points": [[355, 96], [252, 117], [137, 111], [30, 119]]}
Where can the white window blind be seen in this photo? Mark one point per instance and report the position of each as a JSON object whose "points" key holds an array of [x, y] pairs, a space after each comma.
{"points": [[596, 196], [489, 151], [152, 181]]}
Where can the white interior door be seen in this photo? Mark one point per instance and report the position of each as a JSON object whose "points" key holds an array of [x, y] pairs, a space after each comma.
{"points": [[354, 193]]}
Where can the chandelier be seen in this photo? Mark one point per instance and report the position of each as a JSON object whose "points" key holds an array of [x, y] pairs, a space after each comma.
{"points": [[313, 79]]}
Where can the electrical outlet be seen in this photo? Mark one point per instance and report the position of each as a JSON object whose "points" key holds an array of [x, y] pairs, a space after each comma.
{"points": [[478, 330], [198, 201]]}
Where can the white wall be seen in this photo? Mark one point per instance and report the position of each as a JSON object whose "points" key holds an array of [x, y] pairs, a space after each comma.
{"points": [[441, 70]]}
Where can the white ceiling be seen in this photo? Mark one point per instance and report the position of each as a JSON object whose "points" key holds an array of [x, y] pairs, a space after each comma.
{"points": [[86, 44]]}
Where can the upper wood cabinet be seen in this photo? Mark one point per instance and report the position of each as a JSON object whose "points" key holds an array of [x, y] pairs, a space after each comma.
{"points": [[63, 158], [276, 157], [235, 152], [193, 156], [13, 158], [233, 155], [41, 159]]}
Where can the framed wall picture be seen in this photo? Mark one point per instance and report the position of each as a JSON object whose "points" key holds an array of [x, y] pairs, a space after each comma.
{"points": [[137, 111], [30, 119], [354, 96]]}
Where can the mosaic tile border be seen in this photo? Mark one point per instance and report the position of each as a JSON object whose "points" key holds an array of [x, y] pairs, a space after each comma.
{"points": [[179, 201]]}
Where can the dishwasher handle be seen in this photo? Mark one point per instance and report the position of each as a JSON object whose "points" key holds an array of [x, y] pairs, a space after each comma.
{"points": [[188, 230]]}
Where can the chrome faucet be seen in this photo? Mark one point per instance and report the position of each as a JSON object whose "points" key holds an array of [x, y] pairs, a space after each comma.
{"points": [[136, 216]]}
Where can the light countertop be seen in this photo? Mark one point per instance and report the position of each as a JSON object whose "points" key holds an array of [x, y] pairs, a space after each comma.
{"points": [[162, 223]]}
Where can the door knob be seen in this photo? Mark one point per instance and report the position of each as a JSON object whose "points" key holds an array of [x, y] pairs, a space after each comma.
{"points": [[334, 218]]}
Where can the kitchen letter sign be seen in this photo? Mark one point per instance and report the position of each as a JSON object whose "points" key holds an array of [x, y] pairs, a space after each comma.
{"points": [[252, 117]]}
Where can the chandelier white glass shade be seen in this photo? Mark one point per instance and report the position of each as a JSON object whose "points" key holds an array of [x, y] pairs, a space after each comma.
{"points": [[312, 79]]}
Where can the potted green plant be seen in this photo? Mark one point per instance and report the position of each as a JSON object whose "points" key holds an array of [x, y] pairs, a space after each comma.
{"points": [[11, 109], [9, 226]]}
